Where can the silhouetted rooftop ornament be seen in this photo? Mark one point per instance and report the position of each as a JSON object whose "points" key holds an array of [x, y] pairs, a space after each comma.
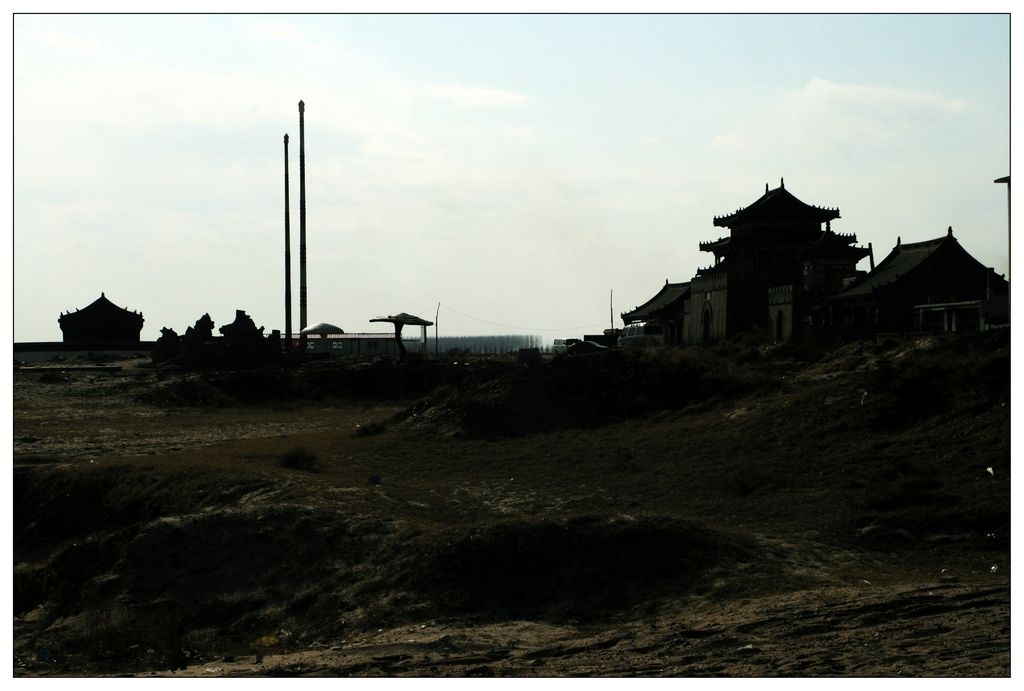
{"points": [[243, 342], [167, 347], [203, 328]]}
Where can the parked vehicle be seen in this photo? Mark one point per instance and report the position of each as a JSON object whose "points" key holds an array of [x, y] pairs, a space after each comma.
{"points": [[641, 334], [583, 347]]}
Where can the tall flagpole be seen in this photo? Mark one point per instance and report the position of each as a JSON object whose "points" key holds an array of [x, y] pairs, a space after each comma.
{"points": [[287, 256], [302, 216]]}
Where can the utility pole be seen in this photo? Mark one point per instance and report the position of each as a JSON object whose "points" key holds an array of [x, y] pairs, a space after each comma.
{"points": [[436, 315], [1006, 181]]}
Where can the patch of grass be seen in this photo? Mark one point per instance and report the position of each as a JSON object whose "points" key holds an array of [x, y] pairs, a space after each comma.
{"points": [[911, 392], [580, 568], [370, 429], [298, 458], [589, 391], [36, 459], [955, 377]]}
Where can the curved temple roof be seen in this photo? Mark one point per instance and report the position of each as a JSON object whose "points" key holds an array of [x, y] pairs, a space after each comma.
{"points": [[665, 298], [903, 258], [777, 205], [102, 305]]}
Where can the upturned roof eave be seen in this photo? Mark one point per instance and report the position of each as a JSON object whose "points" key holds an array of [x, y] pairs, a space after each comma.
{"points": [[657, 302], [777, 196]]}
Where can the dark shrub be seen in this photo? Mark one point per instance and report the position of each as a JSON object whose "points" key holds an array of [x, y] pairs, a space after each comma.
{"points": [[369, 429], [298, 459]]}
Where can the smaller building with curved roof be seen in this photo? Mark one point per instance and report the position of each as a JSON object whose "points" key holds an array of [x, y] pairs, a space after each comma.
{"points": [[667, 309], [933, 285], [101, 322]]}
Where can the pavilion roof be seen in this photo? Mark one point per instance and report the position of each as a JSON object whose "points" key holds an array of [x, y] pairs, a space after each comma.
{"points": [[100, 306], [403, 318]]}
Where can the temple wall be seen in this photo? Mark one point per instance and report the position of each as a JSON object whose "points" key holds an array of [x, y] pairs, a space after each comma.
{"points": [[781, 312], [708, 309]]}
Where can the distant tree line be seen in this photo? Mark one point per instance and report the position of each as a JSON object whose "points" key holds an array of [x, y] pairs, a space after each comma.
{"points": [[484, 345]]}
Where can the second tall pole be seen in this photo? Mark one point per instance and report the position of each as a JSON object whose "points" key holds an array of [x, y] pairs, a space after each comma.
{"points": [[302, 217]]}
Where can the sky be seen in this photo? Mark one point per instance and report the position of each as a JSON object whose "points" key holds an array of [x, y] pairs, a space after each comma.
{"points": [[511, 174]]}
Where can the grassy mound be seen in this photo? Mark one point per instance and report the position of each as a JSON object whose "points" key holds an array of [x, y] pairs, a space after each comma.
{"points": [[583, 568], [140, 569], [584, 391]]}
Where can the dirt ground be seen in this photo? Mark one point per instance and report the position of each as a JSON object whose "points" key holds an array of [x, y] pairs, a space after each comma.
{"points": [[743, 512]]}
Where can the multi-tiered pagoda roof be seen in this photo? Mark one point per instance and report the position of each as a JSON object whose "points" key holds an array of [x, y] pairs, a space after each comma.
{"points": [[774, 207]]}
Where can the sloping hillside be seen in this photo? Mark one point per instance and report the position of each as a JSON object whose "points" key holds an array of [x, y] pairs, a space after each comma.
{"points": [[730, 511]]}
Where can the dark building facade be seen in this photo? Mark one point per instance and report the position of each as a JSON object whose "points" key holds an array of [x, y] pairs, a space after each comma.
{"points": [[929, 286], [101, 322]]}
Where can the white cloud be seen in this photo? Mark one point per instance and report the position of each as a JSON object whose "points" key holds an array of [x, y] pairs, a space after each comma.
{"points": [[475, 97], [823, 93], [278, 31], [851, 113], [292, 37], [824, 117], [731, 142], [514, 132], [60, 42]]}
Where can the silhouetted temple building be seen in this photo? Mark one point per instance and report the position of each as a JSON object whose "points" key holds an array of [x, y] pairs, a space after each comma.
{"points": [[101, 322], [935, 285], [776, 262], [782, 272], [779, 260]]}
